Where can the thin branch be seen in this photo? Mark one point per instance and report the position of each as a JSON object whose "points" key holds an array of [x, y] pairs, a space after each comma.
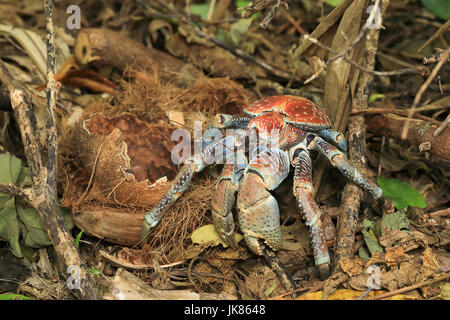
{"points": [[13, 190], [243, 55], [406, 289], [272, 12], [394, 111], [236, 51], [344, 55], [43, 193], [442, 127], [279, 269], [443, 58], [353, 195]]}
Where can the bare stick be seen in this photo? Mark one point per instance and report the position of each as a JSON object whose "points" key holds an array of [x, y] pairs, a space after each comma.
{"points": [[406, 289], [236, 51], [399, 112], [272, 12], [443, 126], [353, 195], [442, 59], [43, 193], [344, 55], [279, 269]]}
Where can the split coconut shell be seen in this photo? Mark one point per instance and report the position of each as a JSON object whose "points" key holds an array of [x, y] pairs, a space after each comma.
{"points": [[121, 167]]}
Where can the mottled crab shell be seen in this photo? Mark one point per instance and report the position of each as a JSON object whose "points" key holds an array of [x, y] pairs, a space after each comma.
{"points": [[299, 111]]}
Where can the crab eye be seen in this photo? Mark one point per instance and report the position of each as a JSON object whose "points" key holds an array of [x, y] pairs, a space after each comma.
{"points": [[309, 138], [222, 118]]}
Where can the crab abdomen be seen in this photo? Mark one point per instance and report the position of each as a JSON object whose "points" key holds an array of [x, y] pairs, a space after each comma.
{"points": [[298, 111]]}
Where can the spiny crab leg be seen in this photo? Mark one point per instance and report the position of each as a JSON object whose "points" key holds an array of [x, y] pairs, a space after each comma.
{"points": [[224, 198], [304, 193], [340, 161], [197, 163], [225, 121]]}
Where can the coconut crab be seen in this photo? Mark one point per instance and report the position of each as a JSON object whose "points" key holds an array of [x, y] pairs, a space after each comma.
{"points": [[247, 177]]}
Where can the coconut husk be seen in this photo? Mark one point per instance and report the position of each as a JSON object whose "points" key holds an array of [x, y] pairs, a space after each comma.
{"points": [[116, 161]]}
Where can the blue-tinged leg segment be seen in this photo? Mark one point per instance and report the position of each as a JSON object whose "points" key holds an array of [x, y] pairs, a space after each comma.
{"points": [[336, 137], [225, 121], [211, 154], [340, 161]]}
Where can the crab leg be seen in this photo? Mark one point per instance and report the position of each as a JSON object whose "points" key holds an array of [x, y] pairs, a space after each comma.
{"points": [[224, 121], [304, 193], [259, 217], [335, 137], [181, 182], [224, 198], [340, 161]]}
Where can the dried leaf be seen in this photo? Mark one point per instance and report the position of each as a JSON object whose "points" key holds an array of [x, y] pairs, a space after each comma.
{"points": [[208, 236], [352, 267], [445, 292], [295, 237]]}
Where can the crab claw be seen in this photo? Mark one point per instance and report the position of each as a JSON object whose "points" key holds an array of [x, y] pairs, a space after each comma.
{"points": [[259, 216], [221, 208]]}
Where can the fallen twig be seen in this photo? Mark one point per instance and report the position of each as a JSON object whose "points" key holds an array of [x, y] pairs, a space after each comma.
{"points": [[442, 59], [442, 126], [279, 269], [344, 55], [236, 51], [296, 292], [406, 289], [440, 213], [420, 132], [272, 12], [397, 112], [353, 195], [43, 193]]}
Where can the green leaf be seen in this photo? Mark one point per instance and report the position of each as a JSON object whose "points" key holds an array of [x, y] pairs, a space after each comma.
{"points": [[334, 3], [395, 221], [370, 237], [10, 225], [77, 239], [375, 96], [245, 3], [401, 193], [363, 253], [242, 3], [269, 291], [94, 271], [208, 236], [200, 9], [11, 296], [10, 168], [18, 220], [440, 8], [239, 29]]}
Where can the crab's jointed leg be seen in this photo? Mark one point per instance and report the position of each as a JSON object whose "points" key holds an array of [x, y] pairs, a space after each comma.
{"points": [[224, 198], [335, 137], [197, 163], [340, 161], [225, 121], [304, 193], [259, 216]]}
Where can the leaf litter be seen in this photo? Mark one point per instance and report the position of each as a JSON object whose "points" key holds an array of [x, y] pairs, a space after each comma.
{"points": [[115, 159]]}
